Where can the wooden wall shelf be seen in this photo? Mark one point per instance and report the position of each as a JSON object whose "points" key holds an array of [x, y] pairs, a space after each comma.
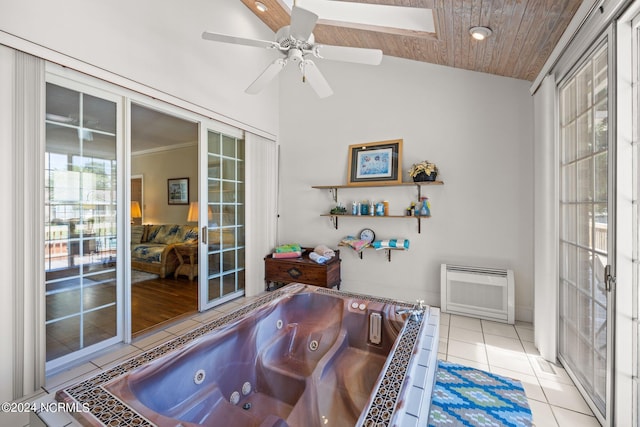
{"points": [[334, 218], [334, 188]]}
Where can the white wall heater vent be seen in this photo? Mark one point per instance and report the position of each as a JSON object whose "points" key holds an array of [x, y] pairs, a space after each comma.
{"points": [[486, 293]]}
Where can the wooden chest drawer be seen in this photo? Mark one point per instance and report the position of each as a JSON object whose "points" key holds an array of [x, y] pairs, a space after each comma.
{"points": [[303, 270]]}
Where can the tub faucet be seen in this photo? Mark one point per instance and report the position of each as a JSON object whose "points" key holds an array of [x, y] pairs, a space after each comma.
{"points": [[416, 312]]}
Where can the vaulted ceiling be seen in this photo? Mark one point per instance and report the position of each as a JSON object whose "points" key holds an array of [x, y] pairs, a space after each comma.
{"points": [[524, 33]]}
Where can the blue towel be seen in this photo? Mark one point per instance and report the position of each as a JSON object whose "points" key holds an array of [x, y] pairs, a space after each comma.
{"points": [[318, 258], [391, 244]]}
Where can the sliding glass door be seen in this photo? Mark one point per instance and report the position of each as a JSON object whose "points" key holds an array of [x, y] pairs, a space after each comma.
{"points": [[81, 236], [222, 217], [586, 230]]}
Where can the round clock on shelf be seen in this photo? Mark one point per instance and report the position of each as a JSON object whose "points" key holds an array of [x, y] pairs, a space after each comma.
{"points": [[368, 235]]}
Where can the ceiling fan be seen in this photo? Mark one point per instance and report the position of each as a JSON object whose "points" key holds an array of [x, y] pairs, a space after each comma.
{"points": [[295, 43]]}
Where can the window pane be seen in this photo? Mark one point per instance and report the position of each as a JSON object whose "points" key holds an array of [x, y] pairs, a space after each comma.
{"points": [[229, 169], [585, 134], [569, 135], [601, 121]]}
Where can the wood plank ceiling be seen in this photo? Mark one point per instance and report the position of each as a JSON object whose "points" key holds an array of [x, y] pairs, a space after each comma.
{"points": [[524, 33]]}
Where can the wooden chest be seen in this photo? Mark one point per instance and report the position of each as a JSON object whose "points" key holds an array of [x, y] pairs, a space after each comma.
{"points": [[302, 270]]}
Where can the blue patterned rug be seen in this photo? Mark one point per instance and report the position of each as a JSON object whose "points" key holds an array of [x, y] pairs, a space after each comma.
{"points": [[464, 396]]}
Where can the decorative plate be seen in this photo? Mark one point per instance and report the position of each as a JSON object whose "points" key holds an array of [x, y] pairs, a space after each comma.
{"points": [[368, 235]]}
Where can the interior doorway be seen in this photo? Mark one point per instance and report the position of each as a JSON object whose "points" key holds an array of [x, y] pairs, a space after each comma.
{"points": [[164, 150]]}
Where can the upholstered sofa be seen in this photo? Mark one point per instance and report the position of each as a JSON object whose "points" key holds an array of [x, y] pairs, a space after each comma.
{"points": [[152, 246]]}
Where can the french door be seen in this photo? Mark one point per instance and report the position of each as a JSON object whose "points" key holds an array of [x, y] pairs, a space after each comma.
{"points": [[222, 215], [82, 165], [586, 230]]}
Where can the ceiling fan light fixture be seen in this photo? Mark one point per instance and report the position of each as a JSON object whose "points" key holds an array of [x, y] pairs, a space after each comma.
{"points": [[480, 33], [261, 7]]}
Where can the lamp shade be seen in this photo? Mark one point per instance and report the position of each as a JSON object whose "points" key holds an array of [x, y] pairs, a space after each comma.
{"points": [[136, 212], [192, 216]]}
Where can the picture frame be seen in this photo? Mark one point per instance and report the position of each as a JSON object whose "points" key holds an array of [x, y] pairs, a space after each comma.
{"points": [[178, 191], [375, 163]]}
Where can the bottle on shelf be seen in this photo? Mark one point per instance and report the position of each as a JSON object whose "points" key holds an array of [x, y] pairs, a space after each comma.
{"points": [[424, 210]]}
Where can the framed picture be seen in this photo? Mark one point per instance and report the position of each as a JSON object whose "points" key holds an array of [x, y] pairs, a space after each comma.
{"points": [[178, 191], [376, 163]]}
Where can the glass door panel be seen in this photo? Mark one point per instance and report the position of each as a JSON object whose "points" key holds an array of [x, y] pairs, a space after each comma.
{"points": [[225, 223], [80, 222], [585, 229]]}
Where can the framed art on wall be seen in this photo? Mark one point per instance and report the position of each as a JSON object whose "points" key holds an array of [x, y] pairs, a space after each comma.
{"points": [[377, 163], [178, 191]]}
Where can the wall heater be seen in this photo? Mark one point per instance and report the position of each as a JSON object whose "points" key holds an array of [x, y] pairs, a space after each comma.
{"points": [[487, 293]]}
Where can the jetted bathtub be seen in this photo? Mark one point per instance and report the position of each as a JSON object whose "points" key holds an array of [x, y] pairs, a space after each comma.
{"points": [[300, 356]]}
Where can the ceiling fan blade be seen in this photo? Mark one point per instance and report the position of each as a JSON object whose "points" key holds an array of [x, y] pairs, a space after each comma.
{"points": [[348, 54], [207, 35], [267, 75], [315, 78], [302, 23]]}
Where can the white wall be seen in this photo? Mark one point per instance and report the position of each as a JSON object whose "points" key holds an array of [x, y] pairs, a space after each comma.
{"points": [[478, 128], [158, 43]]}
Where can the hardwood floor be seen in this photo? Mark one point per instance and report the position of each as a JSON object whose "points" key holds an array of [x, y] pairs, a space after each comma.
{"points": [[157, 301], [153, 303]]}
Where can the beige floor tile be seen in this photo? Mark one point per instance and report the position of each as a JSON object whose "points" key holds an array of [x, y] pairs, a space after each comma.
{"points": [[565, 396], [567, 418], [470, 363], [529, 382], [207, 316], [150, 341], [444, 318], [124, 351], [73, 375], [443, 345], [183, 327], [468, 351], [512, 360], [542, 414], [501, 329], [504, 343], [443, 332], [530, 348], [442, 356], [466, 335], [227, 308], [558, 374], [465, 322], [525, 334]]}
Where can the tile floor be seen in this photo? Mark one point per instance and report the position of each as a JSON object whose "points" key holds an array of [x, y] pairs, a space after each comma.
{"points": [[499, 348], [509, 351]]}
